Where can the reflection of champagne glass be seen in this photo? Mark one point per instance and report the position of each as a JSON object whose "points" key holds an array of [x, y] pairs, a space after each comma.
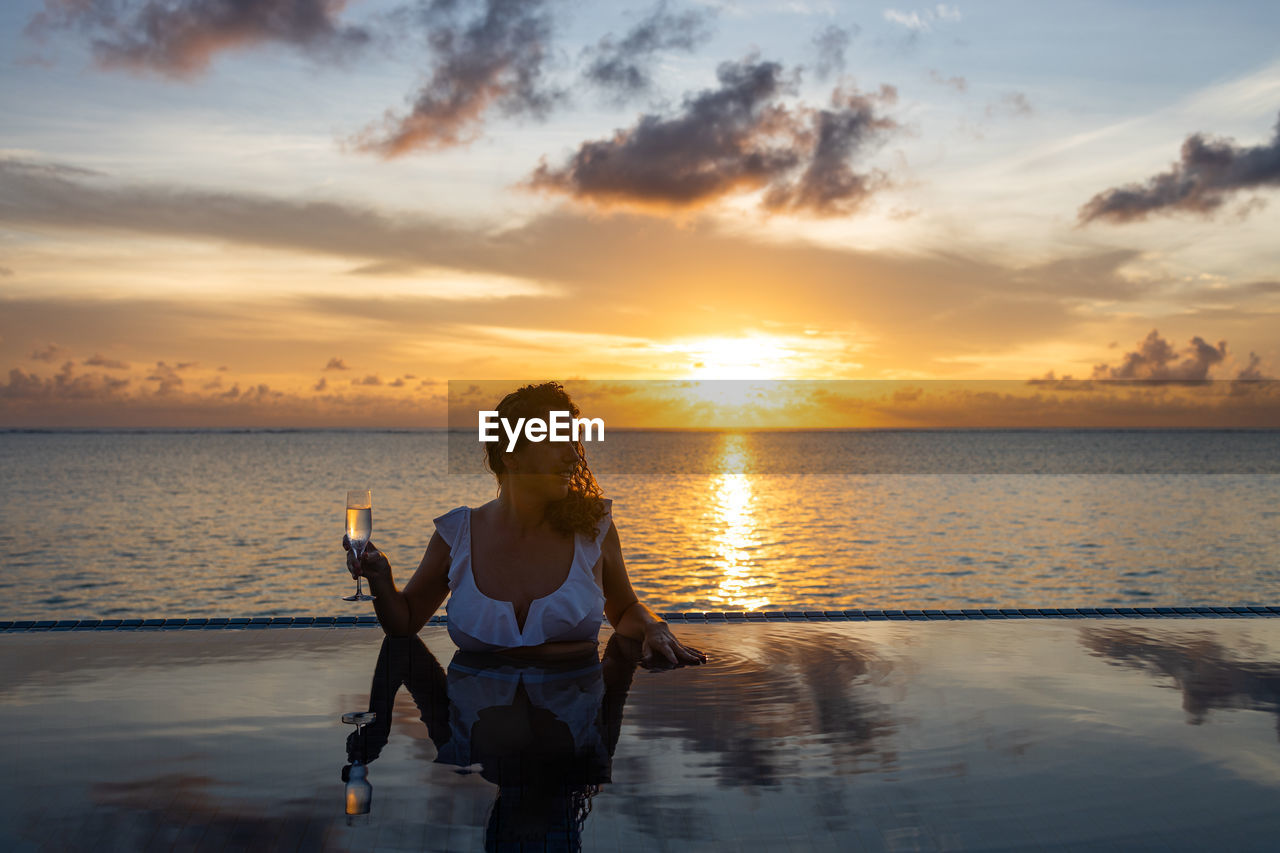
{"points": [[359, 793], [359, 719], [359, 529]]}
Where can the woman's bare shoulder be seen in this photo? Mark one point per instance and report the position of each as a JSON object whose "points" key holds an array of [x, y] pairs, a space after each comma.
{"points": [[480, 515]]}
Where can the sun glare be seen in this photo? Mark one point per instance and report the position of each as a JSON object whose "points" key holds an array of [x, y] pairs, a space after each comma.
{"points": [[751, 357]]}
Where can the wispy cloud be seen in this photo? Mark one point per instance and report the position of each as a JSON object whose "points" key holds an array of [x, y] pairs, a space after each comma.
{"points": [[1011, 103], [954, 82], [180, 38], [622, 65], [488, 57], [48, 352], [919, 21], [830, 45], [1207, 173], [96, 360]]}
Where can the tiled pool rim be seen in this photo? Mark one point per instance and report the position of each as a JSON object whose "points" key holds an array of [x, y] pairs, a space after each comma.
{"points": [[260, 622]]}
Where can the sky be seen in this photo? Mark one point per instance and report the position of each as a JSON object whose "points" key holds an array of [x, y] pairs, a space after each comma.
{"points": [[318, 212]]}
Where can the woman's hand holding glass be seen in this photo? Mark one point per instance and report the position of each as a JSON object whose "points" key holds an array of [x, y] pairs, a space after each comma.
{"points": [[370, 564]]}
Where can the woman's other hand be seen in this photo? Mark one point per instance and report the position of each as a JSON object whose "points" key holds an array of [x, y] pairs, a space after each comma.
{"points": [[370, 563], [661, 648]]}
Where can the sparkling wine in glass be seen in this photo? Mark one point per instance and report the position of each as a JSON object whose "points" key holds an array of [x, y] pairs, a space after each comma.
{"points": [[359, 529]]}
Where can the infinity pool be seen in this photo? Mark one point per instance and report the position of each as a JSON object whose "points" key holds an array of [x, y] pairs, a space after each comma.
{"points": [[1097, 734]]}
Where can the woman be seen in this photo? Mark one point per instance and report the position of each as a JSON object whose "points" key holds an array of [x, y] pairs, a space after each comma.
{"points": [[502, 565]]}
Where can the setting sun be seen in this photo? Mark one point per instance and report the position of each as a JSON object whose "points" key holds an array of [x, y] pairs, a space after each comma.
{"points": [[749, 357]]}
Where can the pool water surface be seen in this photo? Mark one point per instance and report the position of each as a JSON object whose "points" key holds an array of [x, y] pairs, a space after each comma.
{"points": [[1090, 734]]}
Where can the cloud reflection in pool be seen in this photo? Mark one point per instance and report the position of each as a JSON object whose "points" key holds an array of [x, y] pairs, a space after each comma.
{"points": [[941, 735]]}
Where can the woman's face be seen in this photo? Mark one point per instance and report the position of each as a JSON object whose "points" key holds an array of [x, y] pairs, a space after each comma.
{"points": [[545, 467]]}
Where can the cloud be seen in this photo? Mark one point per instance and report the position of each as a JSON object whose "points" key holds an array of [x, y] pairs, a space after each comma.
{"points": [[958, 83], [96, 360], [829, 186], [254, 393], [371, 379], [1012, 103], [920, 21], [622, 66], [1253, 370], [55, 196], [699, 278], [830, 44], [179, 39], [48, 352], [336, 363], [321, 385], [1206, 174], [64, 386], [167, 378], [736, 138], [486, 59], [1156, 358], [95, 399]]}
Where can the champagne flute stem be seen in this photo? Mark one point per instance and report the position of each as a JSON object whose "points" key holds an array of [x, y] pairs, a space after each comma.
{"points": [[359, 587]]}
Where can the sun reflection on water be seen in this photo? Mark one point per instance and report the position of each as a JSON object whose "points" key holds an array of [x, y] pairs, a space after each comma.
{"points": [[737, 536]]}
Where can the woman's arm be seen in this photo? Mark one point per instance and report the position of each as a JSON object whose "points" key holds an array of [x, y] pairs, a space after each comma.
{"points": [[631, 617], [402, 613]]}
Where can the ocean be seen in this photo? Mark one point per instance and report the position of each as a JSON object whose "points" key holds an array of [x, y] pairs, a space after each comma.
{"points": [[173, 523]]}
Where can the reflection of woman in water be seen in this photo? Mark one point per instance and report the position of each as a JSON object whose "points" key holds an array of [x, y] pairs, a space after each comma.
{"points": [[502, 565], [543, 732]]}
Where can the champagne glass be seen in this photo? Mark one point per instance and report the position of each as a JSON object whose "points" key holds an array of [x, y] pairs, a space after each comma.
{"points": [[359, 529]]}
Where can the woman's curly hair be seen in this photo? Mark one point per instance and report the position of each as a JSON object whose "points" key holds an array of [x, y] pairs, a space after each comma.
{"points": [[579, 511]]}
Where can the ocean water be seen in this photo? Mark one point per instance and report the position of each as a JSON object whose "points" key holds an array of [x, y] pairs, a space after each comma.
{"points": [[249, 523]]}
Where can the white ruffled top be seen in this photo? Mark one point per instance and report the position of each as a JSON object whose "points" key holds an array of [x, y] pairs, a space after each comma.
{"points": [[480, 623]]}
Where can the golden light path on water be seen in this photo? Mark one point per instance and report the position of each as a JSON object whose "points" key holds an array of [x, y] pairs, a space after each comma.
{"points": [[737, 535]]}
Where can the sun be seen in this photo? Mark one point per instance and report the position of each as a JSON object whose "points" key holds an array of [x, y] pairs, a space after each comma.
{"points": [[746, 357]]}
